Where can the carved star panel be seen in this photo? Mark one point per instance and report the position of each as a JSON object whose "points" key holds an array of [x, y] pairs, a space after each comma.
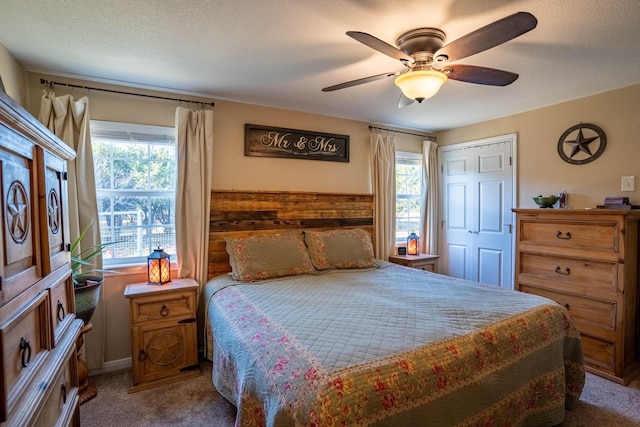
{"points": [[17, 212]]}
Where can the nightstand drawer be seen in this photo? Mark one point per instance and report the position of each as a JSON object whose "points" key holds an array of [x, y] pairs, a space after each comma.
{"points": [[163, 306]]}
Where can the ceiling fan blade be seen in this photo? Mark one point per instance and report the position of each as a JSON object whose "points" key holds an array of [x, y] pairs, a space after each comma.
{"points": [[489, 36], [480, 75], [380, 46], [360, 81]]}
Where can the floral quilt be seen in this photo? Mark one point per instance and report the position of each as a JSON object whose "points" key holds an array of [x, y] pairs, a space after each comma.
{"points": [[391, 346]]}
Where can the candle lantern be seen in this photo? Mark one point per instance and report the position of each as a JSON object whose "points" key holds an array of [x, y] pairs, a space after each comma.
{"points": [[412, 244], [158, 267]]}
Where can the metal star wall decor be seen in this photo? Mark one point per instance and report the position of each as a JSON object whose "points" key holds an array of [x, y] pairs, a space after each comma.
{"points": [[579, 147]]}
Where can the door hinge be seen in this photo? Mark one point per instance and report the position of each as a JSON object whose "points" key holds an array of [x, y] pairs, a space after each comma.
{"points": [[68, 247], [510, 161], [65, 176]]}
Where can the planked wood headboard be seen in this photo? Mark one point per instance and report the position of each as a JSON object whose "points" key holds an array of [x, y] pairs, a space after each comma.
{"points": [[248, 213]]}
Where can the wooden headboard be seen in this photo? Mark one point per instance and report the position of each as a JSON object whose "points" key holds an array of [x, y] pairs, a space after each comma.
{"points": [[249, 213]]}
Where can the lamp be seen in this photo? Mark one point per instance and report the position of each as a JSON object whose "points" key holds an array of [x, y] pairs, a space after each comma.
{"points": [[158, 267], [412, 244], [421, 84]]}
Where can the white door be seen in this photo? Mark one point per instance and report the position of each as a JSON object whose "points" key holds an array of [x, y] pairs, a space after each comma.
{"points": [[478, 193]]}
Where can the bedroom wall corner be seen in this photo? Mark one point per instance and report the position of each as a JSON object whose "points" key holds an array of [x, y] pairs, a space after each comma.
{"points": [[14, 77]]}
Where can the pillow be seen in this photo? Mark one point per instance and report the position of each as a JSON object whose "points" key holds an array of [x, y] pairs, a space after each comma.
{"points": [[258, 258], [343, 248]]}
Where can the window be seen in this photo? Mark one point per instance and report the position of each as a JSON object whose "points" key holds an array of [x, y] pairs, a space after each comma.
{"points": [[135, 168], [408, 189]]}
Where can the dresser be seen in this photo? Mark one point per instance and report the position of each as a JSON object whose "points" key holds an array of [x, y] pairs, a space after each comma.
{"points": [[163, 332], [38, 327], [587, 260]]}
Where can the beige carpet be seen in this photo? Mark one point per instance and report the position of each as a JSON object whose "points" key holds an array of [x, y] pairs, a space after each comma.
{"points": [[195, 402]]}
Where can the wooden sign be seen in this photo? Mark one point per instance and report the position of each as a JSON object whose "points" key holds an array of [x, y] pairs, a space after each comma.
{"points": [[266, 141]]}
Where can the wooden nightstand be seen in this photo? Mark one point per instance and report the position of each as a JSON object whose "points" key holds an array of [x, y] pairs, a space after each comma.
{"points": [[421, 262], [163, 332]]}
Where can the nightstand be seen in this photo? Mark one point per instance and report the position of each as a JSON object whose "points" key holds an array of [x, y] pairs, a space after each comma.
{"points": [[163, 332], [421, 262]]}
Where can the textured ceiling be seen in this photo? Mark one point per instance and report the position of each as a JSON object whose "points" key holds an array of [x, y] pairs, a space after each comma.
{"points": [[282, 53]]}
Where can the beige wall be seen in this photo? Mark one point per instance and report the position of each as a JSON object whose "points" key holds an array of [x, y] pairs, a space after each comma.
{"points": [[14, 78], [231, 169], [540, 168]]}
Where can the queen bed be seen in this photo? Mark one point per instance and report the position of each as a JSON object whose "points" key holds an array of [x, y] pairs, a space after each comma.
{"points": [[308, 329]]}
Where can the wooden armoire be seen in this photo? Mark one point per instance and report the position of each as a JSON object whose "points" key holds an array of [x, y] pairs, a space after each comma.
{"points": [[38, 327]]}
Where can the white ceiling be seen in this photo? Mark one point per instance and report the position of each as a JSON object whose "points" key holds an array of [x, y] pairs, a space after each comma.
{"points": [[282, 53]]}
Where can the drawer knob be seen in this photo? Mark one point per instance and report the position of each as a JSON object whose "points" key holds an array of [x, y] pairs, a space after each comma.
{"points": [[566, 305], [60, 311], [566, 271], [142, 356], [566, 236], [164, 311], [25, 352]]}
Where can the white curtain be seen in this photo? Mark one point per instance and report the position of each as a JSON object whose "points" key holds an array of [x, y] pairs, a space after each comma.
{"points": [[69, 119], [429, 205], [193, 191], [383, 173]]}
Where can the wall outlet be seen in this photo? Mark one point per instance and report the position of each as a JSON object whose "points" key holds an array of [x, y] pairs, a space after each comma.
{"points": [[628, 183]]}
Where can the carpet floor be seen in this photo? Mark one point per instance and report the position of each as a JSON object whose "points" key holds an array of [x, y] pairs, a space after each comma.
{"points": [[195, 402]]}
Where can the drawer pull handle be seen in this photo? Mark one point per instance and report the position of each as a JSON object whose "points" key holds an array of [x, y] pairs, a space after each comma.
{"points": [[63, 389], [142, 356], [566, 236], [60, 312], [566, 271], [25, 350], [164, 311]]}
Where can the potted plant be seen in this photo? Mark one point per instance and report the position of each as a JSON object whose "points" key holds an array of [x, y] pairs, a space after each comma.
{"points": [[86, 284]]}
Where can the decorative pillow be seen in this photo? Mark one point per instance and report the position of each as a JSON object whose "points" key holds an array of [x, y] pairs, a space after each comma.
{"points": [[258, 258], [343, 248]]}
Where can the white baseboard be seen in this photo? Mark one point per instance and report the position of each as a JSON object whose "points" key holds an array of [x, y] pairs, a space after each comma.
{"points": [[114, 365]]}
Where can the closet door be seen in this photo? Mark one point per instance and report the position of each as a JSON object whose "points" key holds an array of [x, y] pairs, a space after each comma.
{"points": [[477, 189]]}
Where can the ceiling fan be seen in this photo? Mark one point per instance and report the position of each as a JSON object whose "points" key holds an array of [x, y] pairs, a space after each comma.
{"points": [[429, 62]]}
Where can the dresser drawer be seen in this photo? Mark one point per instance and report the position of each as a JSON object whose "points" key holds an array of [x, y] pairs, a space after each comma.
{"points": [[163, 306], [62, 397], [61, 298], [598, 353], [591, 235], [585, 311], [570, 272], [24, 342]]}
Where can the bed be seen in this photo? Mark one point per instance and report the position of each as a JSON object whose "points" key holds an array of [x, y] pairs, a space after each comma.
{"points": [[308, 329]]}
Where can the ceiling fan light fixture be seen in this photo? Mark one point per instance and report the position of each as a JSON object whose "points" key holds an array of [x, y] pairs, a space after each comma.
{"points": [[421, 84]]}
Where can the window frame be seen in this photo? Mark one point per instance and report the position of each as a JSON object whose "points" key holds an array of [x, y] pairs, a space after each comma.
{"points": [[117, 131], [410, 158]]}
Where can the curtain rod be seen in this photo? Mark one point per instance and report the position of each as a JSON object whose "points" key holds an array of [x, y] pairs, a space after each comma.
{"points": [[431, 138], [49, 82]]}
